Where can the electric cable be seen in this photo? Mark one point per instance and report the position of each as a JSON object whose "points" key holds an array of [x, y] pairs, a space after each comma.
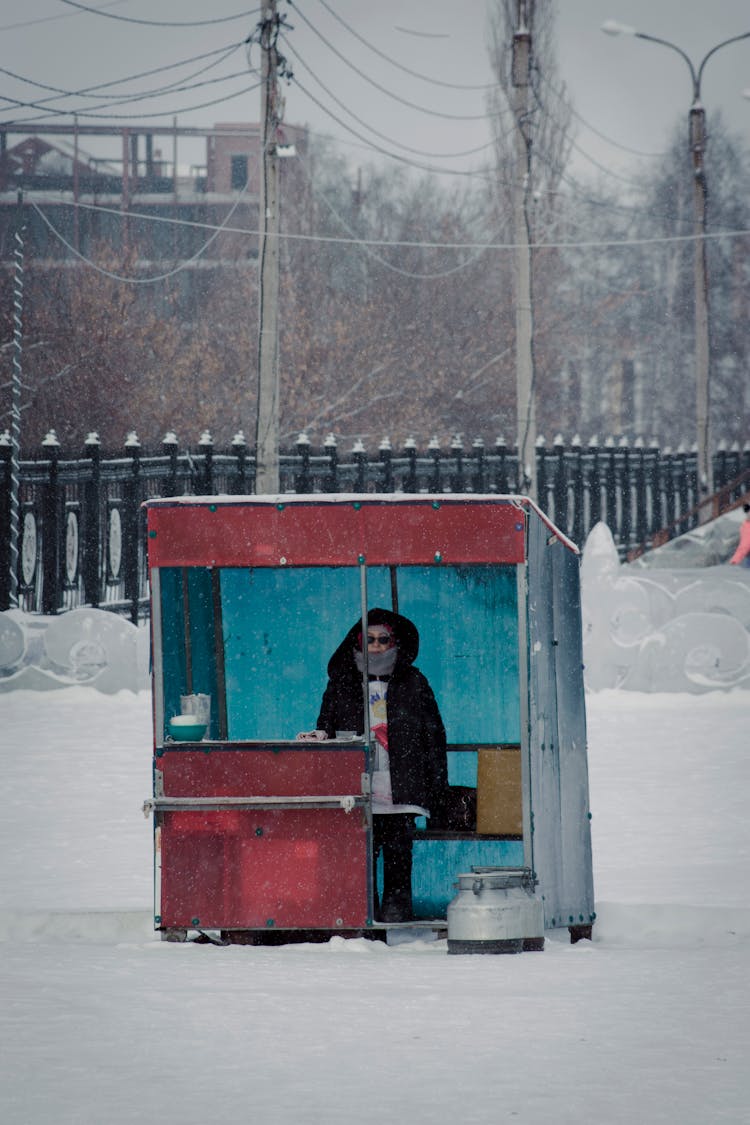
{"points": [[142, 280], [383, 137], [602, 136], [93, 91], [160, 23], [399, 66], [51, 19], [122, 99], [126, 116], [384, 89], [479, 173], [378, 148], [582, 244], [434, 276]]}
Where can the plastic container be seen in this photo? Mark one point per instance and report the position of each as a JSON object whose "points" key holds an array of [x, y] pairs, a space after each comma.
{"points": [[186, 728]]}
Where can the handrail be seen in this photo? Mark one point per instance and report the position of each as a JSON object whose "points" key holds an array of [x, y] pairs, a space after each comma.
{"points": [[719, 506]]}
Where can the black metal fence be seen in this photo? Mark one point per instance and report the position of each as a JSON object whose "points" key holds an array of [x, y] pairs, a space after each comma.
{"points": [[81, 528]]}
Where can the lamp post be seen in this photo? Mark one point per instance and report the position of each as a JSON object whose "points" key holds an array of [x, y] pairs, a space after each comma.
{"points": [[697, 140]]}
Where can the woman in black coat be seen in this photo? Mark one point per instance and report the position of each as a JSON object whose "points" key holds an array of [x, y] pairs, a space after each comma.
{"points": [[411, 764]]}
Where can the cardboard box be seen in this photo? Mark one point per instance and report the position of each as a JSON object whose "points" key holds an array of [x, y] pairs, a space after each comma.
{"points": [[499, 806]]}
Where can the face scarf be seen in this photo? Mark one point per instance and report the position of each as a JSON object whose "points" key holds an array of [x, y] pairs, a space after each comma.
{"points": [[378, 663]]}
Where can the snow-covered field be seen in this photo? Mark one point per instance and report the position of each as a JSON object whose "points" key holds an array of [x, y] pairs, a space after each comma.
{"points": [[104, 1025]]}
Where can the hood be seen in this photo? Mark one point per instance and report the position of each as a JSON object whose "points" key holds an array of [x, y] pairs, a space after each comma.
{"points": [[404, 630]]}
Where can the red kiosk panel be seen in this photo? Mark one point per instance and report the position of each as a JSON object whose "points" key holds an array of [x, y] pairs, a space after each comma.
{"points": [[238, 772], [298, 534], [264, 868], [260, 867]]}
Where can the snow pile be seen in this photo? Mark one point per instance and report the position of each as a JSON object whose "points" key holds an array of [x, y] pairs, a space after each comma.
{"points": [[660, 630], [84, 646]]}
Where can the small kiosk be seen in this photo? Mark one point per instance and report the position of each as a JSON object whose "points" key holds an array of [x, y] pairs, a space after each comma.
{"points": [[259, 837]]}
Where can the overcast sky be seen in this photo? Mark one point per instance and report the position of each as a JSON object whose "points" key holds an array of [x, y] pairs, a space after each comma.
{"points": [[632, 92]]}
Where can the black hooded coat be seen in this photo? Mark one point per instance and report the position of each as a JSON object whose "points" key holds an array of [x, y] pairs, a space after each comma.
{"points": [[416, 735]]}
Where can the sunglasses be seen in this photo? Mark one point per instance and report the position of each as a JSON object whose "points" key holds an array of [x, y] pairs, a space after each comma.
{"points": [[381, 639]]}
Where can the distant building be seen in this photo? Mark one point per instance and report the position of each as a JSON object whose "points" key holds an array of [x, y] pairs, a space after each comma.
{"points": [[129, 202]]}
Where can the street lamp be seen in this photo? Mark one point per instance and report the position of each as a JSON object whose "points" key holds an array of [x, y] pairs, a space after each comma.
{"points": [[697, 135]]}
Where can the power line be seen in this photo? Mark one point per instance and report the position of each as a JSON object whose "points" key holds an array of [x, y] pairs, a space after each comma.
{"points": [[376, 257], [602, 136], [51, 19], [406, 148], [174, 88], [377, 148], [91, 91], [399, 66], [142, 280], [395, 243], [384, 89], [160, 23], [127, 116]]}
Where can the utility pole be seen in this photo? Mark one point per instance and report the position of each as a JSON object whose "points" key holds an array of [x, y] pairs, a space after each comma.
{"points": [[15, 407], [525, 382], [267, 427]]}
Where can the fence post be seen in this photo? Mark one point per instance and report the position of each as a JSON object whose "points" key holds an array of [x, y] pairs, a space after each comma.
{"points": [[132, 526], [330, 480], [6, 455], [577, 469], [386, 459], [682, 488], [478, 482], [170, 445], [92, 526], [652, 474], [641, 503], [501, 474], [692, 485], [610, 487], [302, 481], [360, 460], [667, 476], [560, 485], [206, 448], [434, 451], [540, 452], [50, 511], [720, 465], [457, 451], [733, 462], [626, 495], [595, 483], [410, 452], [239, 448]]}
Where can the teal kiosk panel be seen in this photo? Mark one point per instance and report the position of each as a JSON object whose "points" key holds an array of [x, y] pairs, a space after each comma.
{"points": [[280, 626]]}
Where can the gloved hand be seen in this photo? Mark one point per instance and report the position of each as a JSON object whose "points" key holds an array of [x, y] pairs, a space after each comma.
{"points": [[312, 736]]}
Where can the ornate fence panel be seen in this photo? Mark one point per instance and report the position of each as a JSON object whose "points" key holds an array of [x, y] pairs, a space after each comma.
{"points": [[82, 528]]}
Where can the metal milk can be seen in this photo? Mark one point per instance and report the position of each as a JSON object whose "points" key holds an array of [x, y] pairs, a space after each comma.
{"points": [[495, 911]]}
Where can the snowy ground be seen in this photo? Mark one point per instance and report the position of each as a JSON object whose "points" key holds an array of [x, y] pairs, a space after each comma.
{"points": [[104, 1025]]}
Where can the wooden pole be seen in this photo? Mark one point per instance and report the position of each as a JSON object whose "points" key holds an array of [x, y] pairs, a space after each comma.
{"points": [[267, 427], [525, 389]]}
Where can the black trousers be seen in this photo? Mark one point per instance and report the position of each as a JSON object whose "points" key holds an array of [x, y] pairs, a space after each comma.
{"points": [[393, 834]]}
